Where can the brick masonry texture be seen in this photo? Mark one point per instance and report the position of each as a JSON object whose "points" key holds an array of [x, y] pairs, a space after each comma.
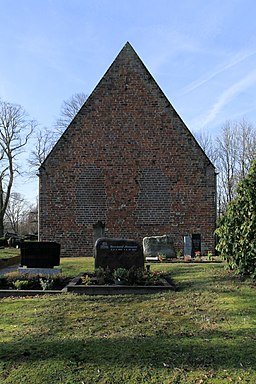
{"points": [[128, 160]]}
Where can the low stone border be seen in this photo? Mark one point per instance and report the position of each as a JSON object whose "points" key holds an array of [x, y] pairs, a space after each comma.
{"points": [[74, 287]]}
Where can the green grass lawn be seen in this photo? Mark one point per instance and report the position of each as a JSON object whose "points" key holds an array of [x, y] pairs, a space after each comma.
{"points": [[6, 253], [202, 333], [72, 266]]}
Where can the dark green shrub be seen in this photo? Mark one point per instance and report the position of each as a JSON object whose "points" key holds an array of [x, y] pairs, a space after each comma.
{"points": [[237, 229], [121, 274], [3, 282], [3, 242], [104, 276], [59, 281]]}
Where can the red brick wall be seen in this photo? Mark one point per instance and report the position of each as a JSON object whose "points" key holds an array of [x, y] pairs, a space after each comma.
{"points": [[128, 160]]}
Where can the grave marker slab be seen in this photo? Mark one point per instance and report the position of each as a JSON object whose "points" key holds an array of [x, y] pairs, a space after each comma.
{"points": [[187, 245], [118, 253], [155, 246], [40, 254]]}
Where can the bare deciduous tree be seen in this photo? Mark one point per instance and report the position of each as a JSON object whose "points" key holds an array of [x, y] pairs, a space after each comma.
{"points": [[227, 144], [69, 109], [46, 138], [44, 141], [15, 131], [29, 223], [232, 152], [208, 145], [236, 150], [246, 148], [16, 211]]}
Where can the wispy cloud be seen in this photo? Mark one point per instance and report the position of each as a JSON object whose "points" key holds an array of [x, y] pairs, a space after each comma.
{"points": [[162, 44], [225, 98], [237, 59]]}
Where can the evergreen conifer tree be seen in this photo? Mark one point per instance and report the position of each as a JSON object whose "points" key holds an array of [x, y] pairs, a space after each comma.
{"points": [[237, 230]]}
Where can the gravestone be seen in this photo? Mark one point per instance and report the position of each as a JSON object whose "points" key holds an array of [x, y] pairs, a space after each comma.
{"points": [[196, 243], [156, 246], [40, 254], [118, 253], [187, 245], [98, 230]]}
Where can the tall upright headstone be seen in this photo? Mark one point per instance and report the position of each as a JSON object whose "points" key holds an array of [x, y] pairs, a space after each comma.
{"points": [[118, 253], [187, 245], [98, 230]]}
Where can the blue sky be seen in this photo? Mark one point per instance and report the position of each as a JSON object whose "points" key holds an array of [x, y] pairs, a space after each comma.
{"points": [[201, 53]]}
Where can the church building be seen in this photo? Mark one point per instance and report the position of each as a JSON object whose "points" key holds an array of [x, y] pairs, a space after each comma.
{"points": [[127, 167]]}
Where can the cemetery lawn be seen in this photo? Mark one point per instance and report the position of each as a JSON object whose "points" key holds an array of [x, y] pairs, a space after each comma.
{"points": [[202, 333], [6, 253]]}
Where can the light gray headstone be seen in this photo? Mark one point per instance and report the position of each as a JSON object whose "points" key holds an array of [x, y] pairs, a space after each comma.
{"points": [[187, 245], [159, 246]]}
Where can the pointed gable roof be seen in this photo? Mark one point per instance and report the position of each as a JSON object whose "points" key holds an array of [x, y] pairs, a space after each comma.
{"points": [[125, 67]]}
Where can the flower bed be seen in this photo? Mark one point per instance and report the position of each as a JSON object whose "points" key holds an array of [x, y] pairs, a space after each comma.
{"points": [[120, 281], [19, 281], [135, 281]]}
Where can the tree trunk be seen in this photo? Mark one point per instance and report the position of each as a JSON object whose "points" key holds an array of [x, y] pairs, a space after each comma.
{"points": [[1, 225], [1, 210]]}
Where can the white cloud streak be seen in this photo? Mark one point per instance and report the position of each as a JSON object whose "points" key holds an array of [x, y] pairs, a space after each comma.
{"points": [[236, 60], [225, 98]]}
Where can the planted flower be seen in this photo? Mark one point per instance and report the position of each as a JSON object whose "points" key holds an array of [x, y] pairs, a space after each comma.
{"points": [[120, 275]]}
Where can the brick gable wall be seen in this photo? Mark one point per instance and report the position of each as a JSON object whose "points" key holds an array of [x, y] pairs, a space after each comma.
{"points": [[128, 160]]}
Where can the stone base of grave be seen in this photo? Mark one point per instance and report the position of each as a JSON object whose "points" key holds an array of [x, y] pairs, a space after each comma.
{"points": [[153, 259], [40, 271]]}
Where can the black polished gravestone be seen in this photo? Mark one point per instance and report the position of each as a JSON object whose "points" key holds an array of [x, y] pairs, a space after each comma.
{"points": [[118, 253], [40, 254]]}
